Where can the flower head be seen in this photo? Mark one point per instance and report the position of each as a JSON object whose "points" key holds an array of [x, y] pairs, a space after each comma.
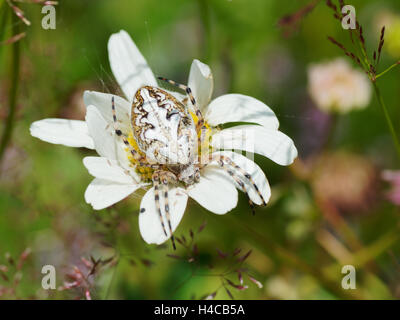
{"points": [[122, 166], [336, 87]]}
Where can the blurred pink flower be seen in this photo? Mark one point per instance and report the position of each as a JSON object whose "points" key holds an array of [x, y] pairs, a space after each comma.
{"points": [[393, 177]]}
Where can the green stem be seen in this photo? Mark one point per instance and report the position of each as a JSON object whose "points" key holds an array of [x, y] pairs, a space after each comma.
{"points": [[369, 253], [387, 117], [108, 291], [3, 23], [387, 70], [15, 66], [3, 20], [332, 131], [206, 21]]}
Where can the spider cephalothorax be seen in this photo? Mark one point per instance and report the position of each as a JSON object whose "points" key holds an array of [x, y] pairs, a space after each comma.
{"points": [[166, 140]]}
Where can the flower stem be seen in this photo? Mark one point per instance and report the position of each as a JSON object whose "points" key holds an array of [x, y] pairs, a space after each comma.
{"points": [[331, 133], [387, 70], [14, 76], [3, 23], [206, 21], [387, 117], [3, 20]]}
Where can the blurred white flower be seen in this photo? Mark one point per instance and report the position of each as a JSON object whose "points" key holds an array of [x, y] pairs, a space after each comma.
{"points": [[117, 174], [336, 87]]}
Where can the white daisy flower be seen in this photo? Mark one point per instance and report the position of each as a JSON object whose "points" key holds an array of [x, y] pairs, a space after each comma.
{"points": [[128, 162]]}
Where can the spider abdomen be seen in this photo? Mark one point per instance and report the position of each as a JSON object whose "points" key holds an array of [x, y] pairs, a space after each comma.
{"points": [[163, 128]]}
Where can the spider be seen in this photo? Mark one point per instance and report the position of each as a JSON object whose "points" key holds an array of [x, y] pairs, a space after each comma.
{"points": [[168, 137]]}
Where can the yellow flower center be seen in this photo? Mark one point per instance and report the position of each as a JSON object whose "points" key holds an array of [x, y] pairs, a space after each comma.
{"points": [[205, 146], [144, 172]]}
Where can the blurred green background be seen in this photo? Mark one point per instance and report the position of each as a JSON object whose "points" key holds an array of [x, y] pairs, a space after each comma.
{"points": [[299, 242]]}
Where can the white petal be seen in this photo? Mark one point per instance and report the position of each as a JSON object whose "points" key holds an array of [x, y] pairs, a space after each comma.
{"points": [[272, 144], [128, 65], [71, 133], [102, 101], [240, 108], [107, 169], [215, 191], [149, 221], [255, 172], [103, 193], [105, 141], [201, 82]]}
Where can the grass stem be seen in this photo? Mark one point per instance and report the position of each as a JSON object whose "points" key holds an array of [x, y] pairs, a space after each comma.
{"points": [[388, 69], [387, 118], [206, 22], [12, 98]]}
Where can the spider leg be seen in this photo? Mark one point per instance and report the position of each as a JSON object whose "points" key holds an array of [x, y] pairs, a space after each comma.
{"points": [[199, 115], [239, 182], [156, 183], [166, 203], [166, 178], [139, 158], [224, 160], [163, 177]]}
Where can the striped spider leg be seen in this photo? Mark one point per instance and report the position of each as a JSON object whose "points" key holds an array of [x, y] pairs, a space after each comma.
{"points": [[164, 178], [233, 169]]}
